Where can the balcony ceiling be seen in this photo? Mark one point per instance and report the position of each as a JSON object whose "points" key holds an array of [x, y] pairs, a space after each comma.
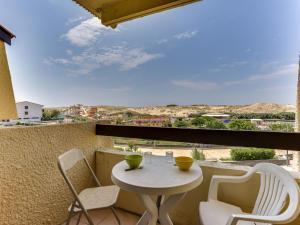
{"points": [[113, 12]]}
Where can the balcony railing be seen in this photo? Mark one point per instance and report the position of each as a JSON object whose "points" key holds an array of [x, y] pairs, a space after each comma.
{"points": [[258, 139]]}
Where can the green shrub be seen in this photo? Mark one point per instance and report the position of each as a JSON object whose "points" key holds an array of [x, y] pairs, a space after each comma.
{"points": [[172, 105], [180, 123], [208, 122], [198, 155], [284, 127], [132, 147], [50, 114], [279, 116], [238, 124], [119, 148], [199, 121], [239, 154], [214, 123]]}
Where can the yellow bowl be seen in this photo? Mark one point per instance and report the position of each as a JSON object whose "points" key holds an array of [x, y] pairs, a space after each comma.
{"points": [[184, 163]]}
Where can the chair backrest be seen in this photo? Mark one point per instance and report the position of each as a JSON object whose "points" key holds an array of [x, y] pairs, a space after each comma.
{"points": [[276, 184], [67, 160]]}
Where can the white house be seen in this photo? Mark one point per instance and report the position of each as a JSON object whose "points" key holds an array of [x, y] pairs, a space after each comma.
{"points": [[29, 111]]}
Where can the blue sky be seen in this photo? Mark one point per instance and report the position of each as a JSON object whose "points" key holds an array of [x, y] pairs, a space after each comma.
{"points": [[212, 52]]}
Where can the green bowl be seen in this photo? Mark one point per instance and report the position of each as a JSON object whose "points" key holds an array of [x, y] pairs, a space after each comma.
{"points": [[133, 161]]}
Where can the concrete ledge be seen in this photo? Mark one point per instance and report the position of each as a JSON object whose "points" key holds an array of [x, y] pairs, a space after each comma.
{"points": [[32, 189]]}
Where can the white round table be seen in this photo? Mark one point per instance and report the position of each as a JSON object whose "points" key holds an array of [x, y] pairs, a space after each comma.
{"points": [[160, 179]]}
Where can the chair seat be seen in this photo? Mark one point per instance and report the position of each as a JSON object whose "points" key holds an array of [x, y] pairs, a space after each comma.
{"points": [[217, 213], [98, 197]]}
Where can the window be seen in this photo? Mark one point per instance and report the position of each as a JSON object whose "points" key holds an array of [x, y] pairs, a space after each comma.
{"points": [[26, 113], [26, 107]]}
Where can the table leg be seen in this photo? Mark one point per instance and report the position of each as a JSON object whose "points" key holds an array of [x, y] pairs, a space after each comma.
{"points": [[166, 206], [151, 215]]}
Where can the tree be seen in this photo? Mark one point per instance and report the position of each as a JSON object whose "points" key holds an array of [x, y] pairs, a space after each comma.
{"points": [[213, 123], [50, 114], [199, 121], [181, 123], [172, 105], [55, 113], [208, 122], [238, 124], [129, 114]]}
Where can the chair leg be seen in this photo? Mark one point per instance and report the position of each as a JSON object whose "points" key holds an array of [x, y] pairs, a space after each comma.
{"points": [[87, 216], [79, 217], [69, 218], [71, 213], [116, 215]]}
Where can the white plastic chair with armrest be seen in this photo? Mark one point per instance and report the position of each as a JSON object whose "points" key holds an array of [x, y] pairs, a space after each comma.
{"points": [[99, 197], [276, 186]]}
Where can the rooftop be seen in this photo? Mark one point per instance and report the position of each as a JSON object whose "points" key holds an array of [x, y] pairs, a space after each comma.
{"points": [[6, 35]]}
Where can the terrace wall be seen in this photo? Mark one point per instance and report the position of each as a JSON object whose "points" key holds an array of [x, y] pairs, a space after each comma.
{"points": [[32, 191], [186, 212]]}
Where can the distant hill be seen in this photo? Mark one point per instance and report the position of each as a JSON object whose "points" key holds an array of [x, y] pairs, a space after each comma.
{"points": [[185, 110]]}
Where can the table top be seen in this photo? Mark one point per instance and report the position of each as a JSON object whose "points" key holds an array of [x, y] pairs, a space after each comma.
{"points": [[158, 177]]}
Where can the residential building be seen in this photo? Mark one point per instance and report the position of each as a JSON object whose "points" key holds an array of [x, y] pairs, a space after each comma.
{"points": [[92, 112], [152, 121], [76, 110], [29, 111], [217, 115]]}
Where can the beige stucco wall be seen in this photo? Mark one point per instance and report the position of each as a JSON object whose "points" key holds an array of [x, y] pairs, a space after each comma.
{"points": [[186, 212], [7, 100], [32, 191]]}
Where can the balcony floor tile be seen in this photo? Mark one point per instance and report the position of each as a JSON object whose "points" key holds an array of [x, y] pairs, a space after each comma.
{"points": [[105, 217]]}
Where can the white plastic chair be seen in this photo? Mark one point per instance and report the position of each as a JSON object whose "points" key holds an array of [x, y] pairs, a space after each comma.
{"points": [[99, 197], [276, 184]]}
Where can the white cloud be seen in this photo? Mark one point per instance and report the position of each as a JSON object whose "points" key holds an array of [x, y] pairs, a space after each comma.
{"points": [[234, 64], [285, 70], [118, 89], [87, 32], [279, 88], [162, 41], [69, 52], [248, 50], [196, 86], [228, 66], [89, 60], [235, 82], [126, 58], [51, 61], [185, 35], [75, 19]]}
